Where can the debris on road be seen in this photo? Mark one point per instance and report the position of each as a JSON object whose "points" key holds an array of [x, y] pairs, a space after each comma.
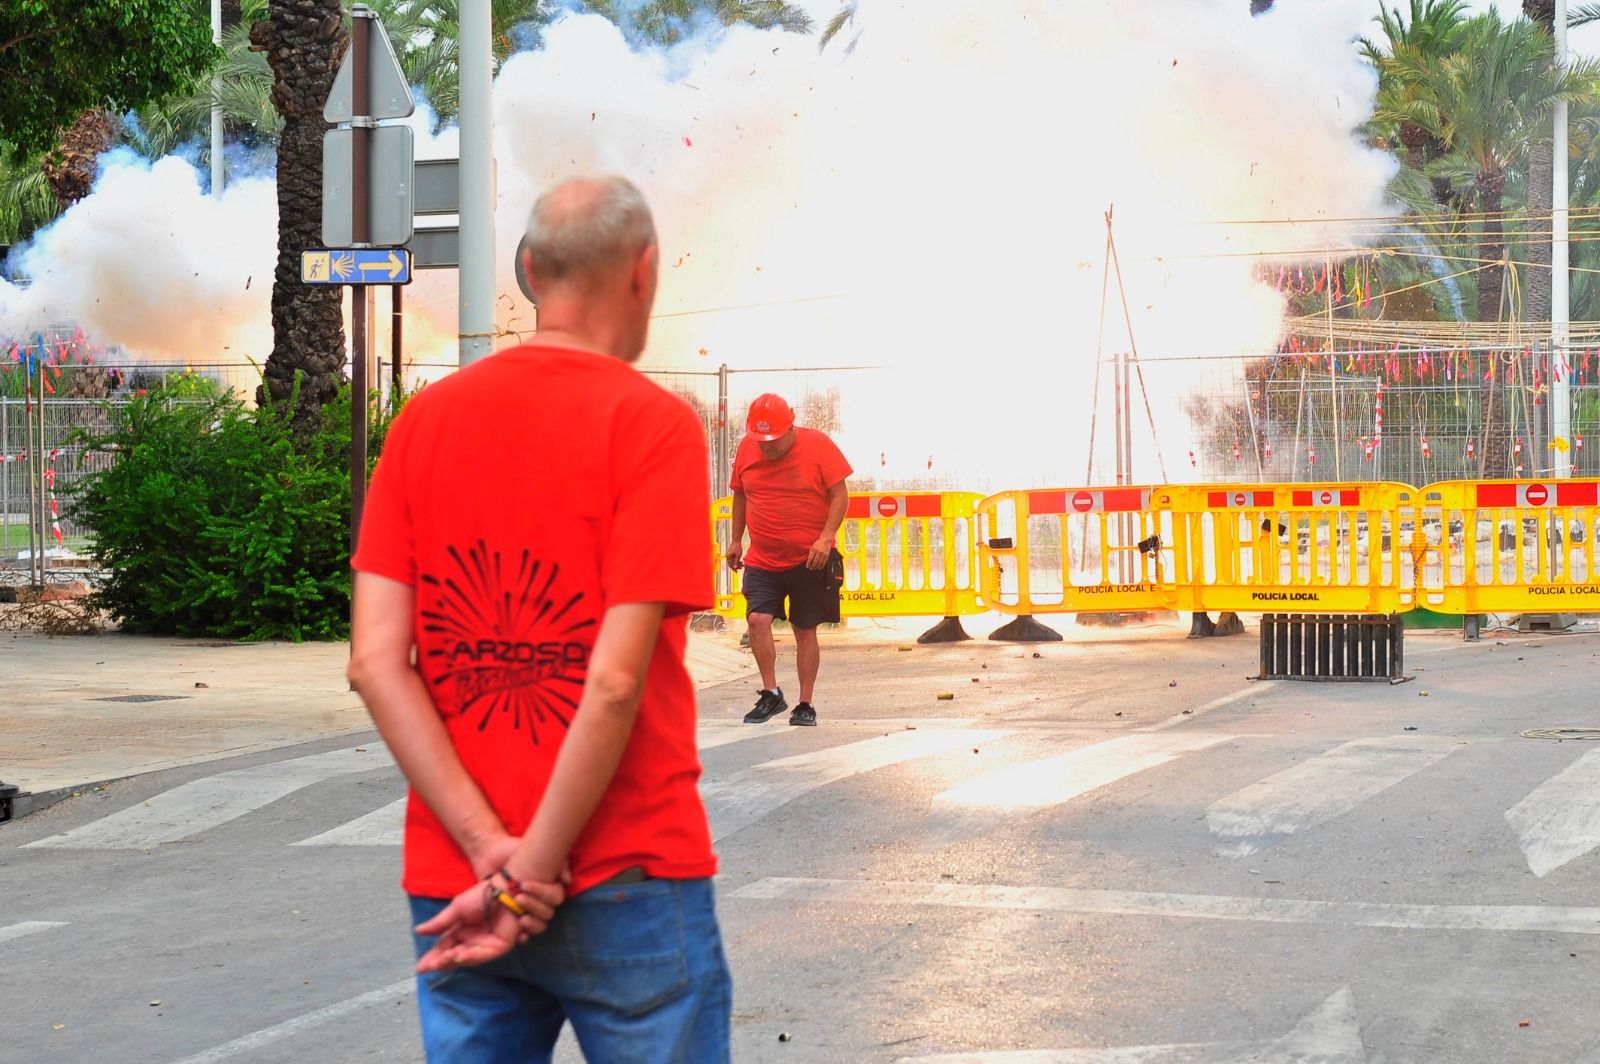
{"points": [[945, 697]]}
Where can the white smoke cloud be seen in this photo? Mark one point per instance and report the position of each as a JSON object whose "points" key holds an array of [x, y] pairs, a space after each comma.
{"points": [[931, 202], [151, 263], [946, 184]]}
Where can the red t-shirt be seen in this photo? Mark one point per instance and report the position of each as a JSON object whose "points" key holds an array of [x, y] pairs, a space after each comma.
{"points": [[786, 501], [521, 497]]}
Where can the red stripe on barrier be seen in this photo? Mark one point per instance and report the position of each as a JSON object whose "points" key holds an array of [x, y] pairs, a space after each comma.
{"points": [[857, 507], [1047, 502], [1300, 498], [1121, 500], [1217, 500], [1577, 494], [1497, 495], [924, 506]]}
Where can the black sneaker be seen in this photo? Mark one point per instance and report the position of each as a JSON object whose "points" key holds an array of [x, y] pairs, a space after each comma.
{"points": [[804, 715], [768, 705]]}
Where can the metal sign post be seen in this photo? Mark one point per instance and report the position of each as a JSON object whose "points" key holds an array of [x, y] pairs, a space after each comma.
{"points": [[360, 218], [369, 87]]}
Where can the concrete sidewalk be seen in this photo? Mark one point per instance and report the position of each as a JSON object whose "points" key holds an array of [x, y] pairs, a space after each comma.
{"points": [[78, 710]]}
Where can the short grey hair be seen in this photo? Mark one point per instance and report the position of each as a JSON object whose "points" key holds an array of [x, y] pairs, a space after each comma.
{"points": [[585, 228]]}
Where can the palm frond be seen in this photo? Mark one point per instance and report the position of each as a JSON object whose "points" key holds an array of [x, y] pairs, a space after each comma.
{"points": [[836, 25]]}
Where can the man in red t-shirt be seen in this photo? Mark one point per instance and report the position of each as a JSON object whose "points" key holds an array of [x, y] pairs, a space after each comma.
{"points": [[536, 531], [789, 489]]}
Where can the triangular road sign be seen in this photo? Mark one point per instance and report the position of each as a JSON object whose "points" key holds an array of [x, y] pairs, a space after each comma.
{"points": [[389, 96]]}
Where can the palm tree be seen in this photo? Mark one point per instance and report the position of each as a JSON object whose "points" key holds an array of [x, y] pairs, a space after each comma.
{"points": [[838, 24], [1541, 177], [70, 166], [243, 90], [1428, 32], [426, 39], [669, 21], [26, 199], [303, 40], [1485, 103]]}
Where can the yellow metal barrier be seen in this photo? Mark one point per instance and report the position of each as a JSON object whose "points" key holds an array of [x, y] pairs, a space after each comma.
{"points": [[1510, 546], [1297, 548], [1460, 547], [1078, 550], [907, 555]]}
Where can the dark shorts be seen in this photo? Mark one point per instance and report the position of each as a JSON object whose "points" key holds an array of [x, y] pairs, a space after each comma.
{"points": [[813, 595]]}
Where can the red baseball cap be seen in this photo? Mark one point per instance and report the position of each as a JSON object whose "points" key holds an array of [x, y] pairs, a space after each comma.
{"points": [[770, 418]]}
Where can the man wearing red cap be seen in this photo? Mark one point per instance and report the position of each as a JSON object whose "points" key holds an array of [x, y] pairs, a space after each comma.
{"points": [[790, 492]]}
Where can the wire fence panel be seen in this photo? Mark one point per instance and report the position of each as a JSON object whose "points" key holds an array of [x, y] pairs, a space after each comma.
{"points": [[1293, 431]]}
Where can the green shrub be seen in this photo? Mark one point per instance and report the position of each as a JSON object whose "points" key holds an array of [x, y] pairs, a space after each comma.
{"points": [[219, 520]]}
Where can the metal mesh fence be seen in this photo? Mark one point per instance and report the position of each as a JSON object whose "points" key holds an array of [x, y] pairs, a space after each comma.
{"points": [[1364, 427], [81, 401]]}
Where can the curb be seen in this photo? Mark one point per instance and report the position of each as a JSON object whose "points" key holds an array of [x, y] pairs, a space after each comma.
{"points": [[27, 802]]}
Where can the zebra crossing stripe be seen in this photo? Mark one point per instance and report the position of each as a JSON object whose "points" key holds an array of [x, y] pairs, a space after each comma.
{"points": [[1559, 821], [391, 994], [709, 738], [736, 801], [1329, 1034], [970, 808], [1317, 791], [205, 803], [381, 827], [899, 894], [28, 927]]}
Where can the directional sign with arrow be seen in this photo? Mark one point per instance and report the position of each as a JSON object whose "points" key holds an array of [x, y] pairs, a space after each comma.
{"points": [[356, 266]]}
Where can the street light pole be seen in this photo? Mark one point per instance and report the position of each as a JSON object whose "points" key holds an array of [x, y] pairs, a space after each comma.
{"points": [[476, 306], [216, 105], [1560, 311]]}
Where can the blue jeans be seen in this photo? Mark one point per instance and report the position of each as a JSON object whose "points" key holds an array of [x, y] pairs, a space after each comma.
{"points": [[638, 970]]}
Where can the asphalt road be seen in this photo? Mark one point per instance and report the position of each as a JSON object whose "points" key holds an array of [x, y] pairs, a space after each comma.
{"points": [[1058, 864]]}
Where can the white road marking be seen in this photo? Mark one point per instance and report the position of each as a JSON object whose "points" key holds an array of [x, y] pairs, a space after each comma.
{"points": [[709, 737], [968, 808], [288, 1028], [1201, 710], [1319, 790], [1329, 1034], [381, 827], [1556, 920], [28, 927], [204, 803], [736, 801], [1559, 820]]}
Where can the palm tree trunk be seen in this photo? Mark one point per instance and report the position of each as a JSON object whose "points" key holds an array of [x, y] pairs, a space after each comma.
{"points": [[72, 166], [304, 41], [1541, 174], [1491, 288], [1536, 282]]}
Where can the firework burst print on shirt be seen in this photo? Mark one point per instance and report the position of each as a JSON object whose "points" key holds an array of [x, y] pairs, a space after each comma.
{"points": [[502, 640]]}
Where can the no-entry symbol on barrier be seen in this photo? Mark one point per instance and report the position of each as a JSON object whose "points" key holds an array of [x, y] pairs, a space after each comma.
{"points": [[1326, 498], [888, 506], [1239, 498], [1536, 494], [1083, 501]]}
